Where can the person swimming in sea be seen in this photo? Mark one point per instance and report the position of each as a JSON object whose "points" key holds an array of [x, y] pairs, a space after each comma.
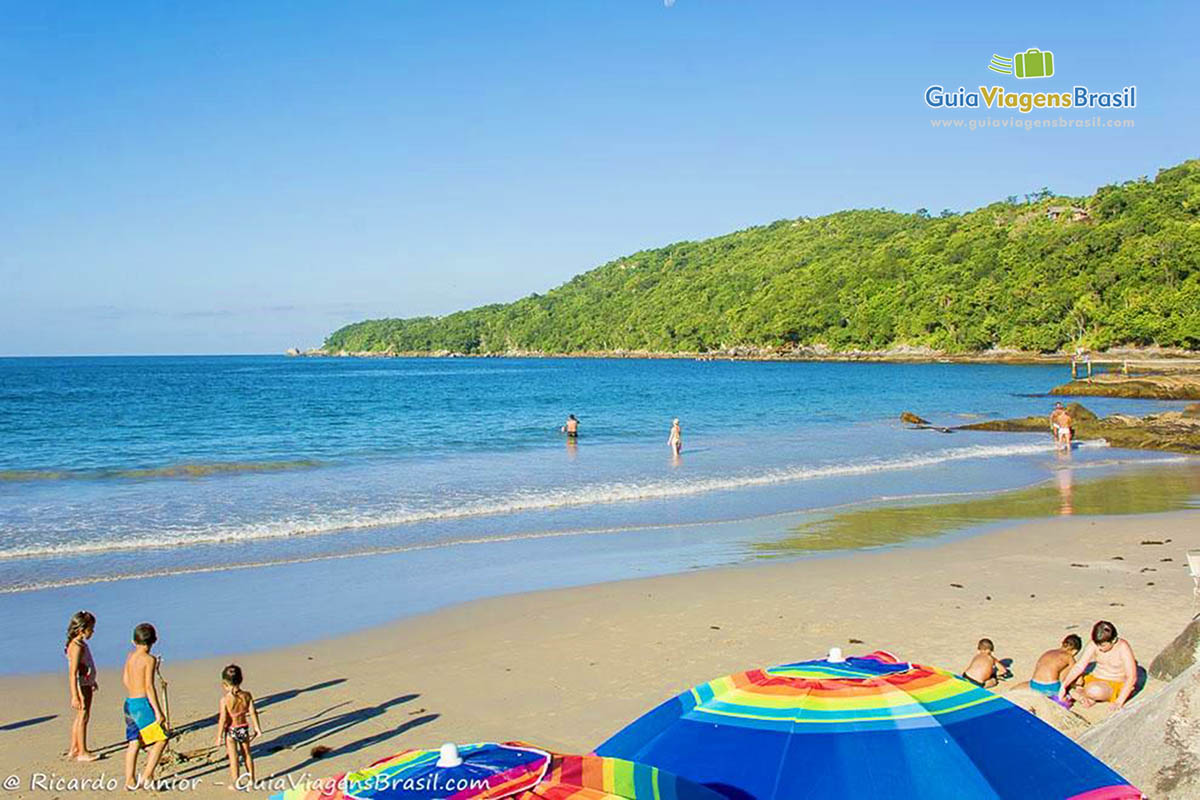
{"points": [[675, 440], [1053, 665], [571, 428]]}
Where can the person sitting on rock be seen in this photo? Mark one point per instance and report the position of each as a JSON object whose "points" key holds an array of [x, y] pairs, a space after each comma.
{"points": [[1113, 679]]}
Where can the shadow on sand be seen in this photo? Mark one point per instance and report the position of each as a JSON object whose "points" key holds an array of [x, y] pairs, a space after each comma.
{"points": [[320, 727], [260, 703], [266, 701], [25, 723]]}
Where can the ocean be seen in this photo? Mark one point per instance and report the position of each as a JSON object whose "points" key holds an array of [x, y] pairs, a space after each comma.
{"points": [[366, 489]]}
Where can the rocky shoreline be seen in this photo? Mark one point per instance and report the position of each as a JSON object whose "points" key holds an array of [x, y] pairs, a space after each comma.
{"points": [[1164, 386], [917, 355], [1173, 431]]}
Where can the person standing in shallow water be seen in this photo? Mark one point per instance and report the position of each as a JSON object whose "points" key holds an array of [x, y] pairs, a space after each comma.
{"points": [[675, 440], [571, 427]]}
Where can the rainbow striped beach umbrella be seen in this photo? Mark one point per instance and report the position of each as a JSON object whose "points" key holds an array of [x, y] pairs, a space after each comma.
{"points": [[482, 771], [861, 727], [594, 777], [513, 770]]}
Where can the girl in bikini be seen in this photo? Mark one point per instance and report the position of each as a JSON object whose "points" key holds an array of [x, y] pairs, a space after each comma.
{"points": [[235, 719], [81, 678]]}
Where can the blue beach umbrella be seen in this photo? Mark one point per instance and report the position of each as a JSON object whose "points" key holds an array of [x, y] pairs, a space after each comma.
{"points": [[861, 727]]}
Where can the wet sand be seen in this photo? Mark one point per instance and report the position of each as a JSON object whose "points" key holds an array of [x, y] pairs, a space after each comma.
{"points": [[566, 668]]}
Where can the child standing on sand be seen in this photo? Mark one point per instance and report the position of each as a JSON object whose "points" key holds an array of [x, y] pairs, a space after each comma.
{"points": [[143, 716], [235, 715], [81, 679]]}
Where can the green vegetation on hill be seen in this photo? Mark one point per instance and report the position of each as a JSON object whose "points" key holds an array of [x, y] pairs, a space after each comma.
{"points": [[1003, 276]]}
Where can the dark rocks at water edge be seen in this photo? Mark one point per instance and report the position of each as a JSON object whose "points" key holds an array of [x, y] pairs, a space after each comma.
{"points": [[921, 423], [1173, 431], [1151, 387]]}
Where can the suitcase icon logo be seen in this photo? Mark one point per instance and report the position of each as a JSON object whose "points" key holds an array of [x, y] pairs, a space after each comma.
{"points": [[1033, 63]]}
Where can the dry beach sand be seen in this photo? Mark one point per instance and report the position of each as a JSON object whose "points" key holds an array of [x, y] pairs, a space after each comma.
{"points": [[566, 668]]}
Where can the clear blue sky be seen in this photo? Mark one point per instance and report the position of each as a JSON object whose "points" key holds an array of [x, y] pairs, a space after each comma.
{"points": [[208, 177]]}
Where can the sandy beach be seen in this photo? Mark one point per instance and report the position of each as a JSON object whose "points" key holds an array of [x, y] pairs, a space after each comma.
{"points": [[566, 668]]}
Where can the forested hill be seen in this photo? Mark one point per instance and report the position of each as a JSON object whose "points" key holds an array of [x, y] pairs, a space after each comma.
{"points": [[1121, 267]]}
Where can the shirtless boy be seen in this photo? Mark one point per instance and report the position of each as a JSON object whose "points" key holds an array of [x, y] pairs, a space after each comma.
{"points": [[1052, 665], [1115, 675], [985, 669], [143, 715]]}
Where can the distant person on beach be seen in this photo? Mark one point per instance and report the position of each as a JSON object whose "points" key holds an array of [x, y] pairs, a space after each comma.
{"points": [[985, 670], [237, 722], [1113, 679], [81, 679], [1064, 429], [144, 721], [1055, 416], [571, 428], [675, 440], [1060, 426], [1053, 665]]}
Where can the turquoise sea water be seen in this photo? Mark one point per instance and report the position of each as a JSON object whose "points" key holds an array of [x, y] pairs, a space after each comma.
{"points": [[367, 489]]}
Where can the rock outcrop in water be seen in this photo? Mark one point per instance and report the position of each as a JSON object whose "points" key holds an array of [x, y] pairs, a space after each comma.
{"points": [[1152, 387], [1173, 431]]}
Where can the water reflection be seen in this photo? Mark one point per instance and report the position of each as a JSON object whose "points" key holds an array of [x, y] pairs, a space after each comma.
{"points": [[1141, 492]]}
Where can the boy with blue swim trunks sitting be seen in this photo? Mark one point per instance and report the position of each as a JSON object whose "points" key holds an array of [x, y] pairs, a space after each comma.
{"points": [[1053, 665], [143, 715]]}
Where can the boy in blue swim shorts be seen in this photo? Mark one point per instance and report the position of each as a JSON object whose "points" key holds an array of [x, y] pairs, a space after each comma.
{"points": [[1052, 665], [143, 716]]}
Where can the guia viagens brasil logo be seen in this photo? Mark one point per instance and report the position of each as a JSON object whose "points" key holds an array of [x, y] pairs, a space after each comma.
{"points": [[1031, 63]]}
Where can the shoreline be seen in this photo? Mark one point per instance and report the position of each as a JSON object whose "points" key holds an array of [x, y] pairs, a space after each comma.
{"points": [[898, 355], [564, 668], [404, 581]]}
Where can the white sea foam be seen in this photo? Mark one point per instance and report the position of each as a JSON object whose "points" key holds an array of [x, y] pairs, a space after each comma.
{"points": [[541, 500], [456, 542]]}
